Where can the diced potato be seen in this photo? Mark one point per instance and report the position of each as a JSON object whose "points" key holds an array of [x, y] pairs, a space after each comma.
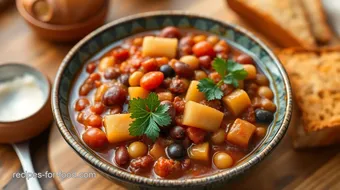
{"points": [[199, 152], [240, 133], [202, 116], [117, 127], [251, 70], [159, 47], [157, 151], [137, 92], [193, 93], [237, 101], [100, 92]]}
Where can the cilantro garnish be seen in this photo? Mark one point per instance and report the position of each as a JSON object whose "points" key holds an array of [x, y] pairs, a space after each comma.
{"points": [[148, 115], [230, 71]]}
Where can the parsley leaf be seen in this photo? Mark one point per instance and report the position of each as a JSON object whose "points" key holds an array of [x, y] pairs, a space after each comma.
{"points": [[220, 66], [211, 90], [148, 116], [231, 73]]}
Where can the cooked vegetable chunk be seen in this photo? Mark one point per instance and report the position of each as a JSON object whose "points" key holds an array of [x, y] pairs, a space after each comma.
{"points": [[193, 93], [241, 132], [237, 101], [117, 127], [157, 151], [199, 152], [137, 92], [158, 47], [209, 118]]}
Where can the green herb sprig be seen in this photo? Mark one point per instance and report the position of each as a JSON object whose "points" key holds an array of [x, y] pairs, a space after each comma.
{"points": [[148, 115], [231, 73]]}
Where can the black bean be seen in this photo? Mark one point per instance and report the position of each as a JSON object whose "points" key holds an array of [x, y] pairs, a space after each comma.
{"points": [[264, 116], [176, 151], [177, 132], [167, 70]]}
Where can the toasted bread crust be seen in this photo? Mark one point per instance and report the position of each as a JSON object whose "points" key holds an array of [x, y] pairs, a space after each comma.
{"points": [[269, 26], [315, 79], [317, 17]]}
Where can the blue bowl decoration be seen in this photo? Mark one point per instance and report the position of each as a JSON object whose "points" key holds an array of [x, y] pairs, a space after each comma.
{"points": [[125, 27]]}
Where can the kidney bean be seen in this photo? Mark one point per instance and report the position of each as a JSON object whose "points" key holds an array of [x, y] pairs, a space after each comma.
{"points": [[151, 80], [121, 54], [95, 138], [116, 95], [122, 156], [244, 59], [91, 67], [81, 104], [203, 48], [205, 61], [150, 65], [170, 32], [183, 70]]}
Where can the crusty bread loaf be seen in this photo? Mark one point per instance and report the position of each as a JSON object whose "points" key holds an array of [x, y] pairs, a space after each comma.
{"points": [[317, 18], [315, 79], [284, 21]]}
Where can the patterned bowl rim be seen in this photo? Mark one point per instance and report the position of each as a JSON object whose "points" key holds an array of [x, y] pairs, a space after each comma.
{"points": [[121, 175]]}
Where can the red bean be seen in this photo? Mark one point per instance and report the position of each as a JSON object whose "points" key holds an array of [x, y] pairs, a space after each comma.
{"points": [[205, 61], [116, 110], [203, 48], [95, 76], [122, 156], [121, 54], [116, 95], [170, 32], [81, 104], [244, 59], [97, 108], [111, 73], [150, 65], [91, 67], [124, 79], [94, 121], [151, 80], [187, 41], [183, 70], [95, 138]]}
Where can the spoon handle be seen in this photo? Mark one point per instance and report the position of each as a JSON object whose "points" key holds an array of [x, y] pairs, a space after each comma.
{"points": [[23, 152]]}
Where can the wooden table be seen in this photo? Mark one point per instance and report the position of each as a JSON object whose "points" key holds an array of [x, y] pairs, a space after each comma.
{"points": [[315, 169]]}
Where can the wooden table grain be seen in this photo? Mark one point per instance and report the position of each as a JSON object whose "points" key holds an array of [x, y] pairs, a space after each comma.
{"points": [[313, 169]]}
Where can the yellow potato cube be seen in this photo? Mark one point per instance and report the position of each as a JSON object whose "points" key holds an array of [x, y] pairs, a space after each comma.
{"points": [[159, 47], [237, 101], [240, 133], [117, 127], [137, 92], [202, 116], [193, 93], [199, 152]]}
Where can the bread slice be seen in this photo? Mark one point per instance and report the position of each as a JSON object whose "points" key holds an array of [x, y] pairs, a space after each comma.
{"points": [[284, 21], [317, 18], [315, 80]]}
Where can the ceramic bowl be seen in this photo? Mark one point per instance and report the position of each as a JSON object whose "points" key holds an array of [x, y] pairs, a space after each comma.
{"points": [[66, 32], [116, 30], [32, 125]]}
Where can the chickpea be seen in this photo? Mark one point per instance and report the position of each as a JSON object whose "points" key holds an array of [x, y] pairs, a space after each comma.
{"points": [[213, 39], [251, 70], [266, 92], [218, 137], [260, 132], [165, 96], [137, 149], [199, 74], [135, 78], [190, 60], [222, 160], [199, 38], [262, 80], [105, 63], [268, 105]]}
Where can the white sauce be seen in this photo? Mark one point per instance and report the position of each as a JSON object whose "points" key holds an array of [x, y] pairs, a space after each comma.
{"points": [[20, 98]]}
